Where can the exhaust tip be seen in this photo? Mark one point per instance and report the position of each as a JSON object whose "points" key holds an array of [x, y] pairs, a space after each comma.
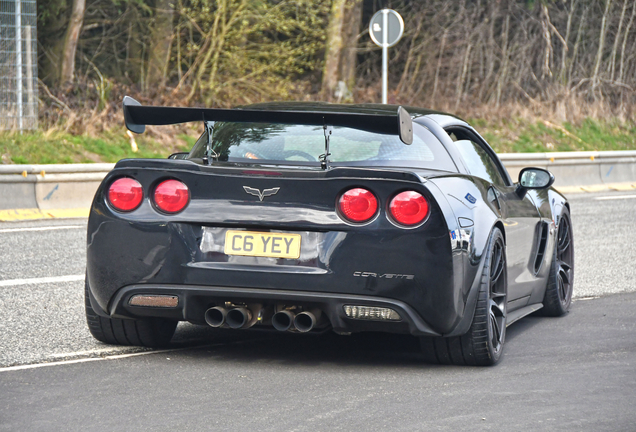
{"points": [[305, 321], [238, 317], [283, 320], [215, 317]]}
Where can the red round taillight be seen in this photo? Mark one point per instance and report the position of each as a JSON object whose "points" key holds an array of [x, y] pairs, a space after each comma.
{"points": [[409, 208], [358, 205], [125, 194], [172, 196]]}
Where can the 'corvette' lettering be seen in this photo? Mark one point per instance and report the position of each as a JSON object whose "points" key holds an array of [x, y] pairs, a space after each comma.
{"points": [[383, 276]]}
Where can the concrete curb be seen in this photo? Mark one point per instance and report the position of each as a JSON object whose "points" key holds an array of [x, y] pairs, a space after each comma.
{"points": [[42, 191]]}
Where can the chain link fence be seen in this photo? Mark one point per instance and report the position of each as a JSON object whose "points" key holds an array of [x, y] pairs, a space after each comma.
{"points": [[18, 65]]}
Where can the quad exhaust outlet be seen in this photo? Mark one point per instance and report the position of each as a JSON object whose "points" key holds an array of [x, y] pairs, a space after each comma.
{"points": [[238, 317], [243, 317], [306, 321], [283, 320], [215, 317]]}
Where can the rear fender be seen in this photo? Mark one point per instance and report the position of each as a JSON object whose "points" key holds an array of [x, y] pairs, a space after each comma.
{"points": [[476, 219]]}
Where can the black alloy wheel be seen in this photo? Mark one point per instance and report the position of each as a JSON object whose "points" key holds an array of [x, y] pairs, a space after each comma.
{"points": [[497, 298], [483, 344], [558, 294]]}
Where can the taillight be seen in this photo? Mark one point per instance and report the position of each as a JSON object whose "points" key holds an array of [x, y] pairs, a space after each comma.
{"points": [[171, 196], [358, 205], [409, 208], [125, 194]]}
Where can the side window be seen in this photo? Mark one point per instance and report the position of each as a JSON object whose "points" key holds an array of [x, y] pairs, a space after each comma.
{"points": [[479, 162], [198, 151]]}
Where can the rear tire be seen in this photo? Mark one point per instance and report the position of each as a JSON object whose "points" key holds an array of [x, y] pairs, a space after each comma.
{"points": [[483, 344], [558, 293], [152, 332]]}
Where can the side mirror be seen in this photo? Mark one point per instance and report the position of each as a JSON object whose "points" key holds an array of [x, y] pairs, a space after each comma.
{"points": [[533, 178], [180, 155]]}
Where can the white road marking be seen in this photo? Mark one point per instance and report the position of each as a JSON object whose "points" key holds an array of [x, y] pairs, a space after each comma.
{"points": [[107, 357], [84, 360], [50, 228], [615, 197], [42, 280], [101, 351]]}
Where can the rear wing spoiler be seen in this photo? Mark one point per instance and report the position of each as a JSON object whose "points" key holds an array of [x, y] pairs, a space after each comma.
{"points": [[138, 116]]}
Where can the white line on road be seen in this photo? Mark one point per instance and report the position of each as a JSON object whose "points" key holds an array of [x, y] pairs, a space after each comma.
{"points": [[84, 360], [615, 197], [111, 357], [49, 228], [42, 280]]}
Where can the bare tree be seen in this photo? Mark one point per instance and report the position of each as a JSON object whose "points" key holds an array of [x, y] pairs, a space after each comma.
{"points": [[334, 48], [161, 43], [67, 64]]}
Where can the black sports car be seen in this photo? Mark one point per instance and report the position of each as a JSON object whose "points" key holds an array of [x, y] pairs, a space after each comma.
{"points": [[309, 217]]}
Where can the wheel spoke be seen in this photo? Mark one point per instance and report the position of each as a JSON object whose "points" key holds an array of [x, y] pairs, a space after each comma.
{"points": [[565, 247], [564, 234], [496, 331], [495, 263], [562, 288], [564, 273], [498, 271], [497, 308]]}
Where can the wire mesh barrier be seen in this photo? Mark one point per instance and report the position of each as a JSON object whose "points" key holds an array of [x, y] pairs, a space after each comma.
{"points": [[18, 65]]}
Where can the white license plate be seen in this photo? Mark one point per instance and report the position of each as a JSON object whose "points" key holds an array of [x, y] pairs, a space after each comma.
{"points": [[262, 244]]}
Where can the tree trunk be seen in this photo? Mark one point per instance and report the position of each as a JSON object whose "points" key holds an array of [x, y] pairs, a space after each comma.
{"points": [[161, 42], [67, 67], [334, 47], [601, 44], [349, 56], [612, 63], [627, 30]]}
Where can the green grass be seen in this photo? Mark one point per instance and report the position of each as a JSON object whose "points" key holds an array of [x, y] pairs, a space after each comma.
{"points": [[506, 136], [520, 136], [56, 147]]}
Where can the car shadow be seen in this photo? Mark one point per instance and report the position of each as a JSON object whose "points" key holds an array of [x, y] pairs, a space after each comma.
{"points": [[361, 350]]}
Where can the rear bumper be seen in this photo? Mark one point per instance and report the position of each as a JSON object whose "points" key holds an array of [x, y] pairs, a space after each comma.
{"points": [[194, 300]]}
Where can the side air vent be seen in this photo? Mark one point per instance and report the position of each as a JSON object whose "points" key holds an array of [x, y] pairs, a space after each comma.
{"points": [[543, 241]]}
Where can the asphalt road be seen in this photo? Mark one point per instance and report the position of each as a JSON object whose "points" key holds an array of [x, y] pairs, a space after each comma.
{"points": [[573, 373]]}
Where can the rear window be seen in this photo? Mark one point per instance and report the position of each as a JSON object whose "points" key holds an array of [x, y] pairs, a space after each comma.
{"points": [[303, 145]]}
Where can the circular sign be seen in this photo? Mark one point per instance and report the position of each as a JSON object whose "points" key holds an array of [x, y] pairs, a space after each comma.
{"points": [[394, 27]]}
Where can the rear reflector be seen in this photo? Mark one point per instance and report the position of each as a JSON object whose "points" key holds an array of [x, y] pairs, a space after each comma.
{"points": [[358, 205], [148, 300], [371, 313]]}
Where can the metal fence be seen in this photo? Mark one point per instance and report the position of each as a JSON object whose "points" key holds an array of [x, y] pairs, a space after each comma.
{"points": [[18, 65]]}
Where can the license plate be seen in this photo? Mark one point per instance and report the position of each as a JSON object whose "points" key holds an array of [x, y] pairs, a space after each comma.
{"points": [[262, 244]]}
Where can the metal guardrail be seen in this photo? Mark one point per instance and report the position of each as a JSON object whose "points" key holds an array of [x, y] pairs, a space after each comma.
{"points": [[512, 159], [53, 173], [578, 168], [74, 185]]}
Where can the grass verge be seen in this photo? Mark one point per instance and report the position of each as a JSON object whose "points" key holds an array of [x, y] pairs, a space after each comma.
{"points": [[521, 136], [58, 147]]}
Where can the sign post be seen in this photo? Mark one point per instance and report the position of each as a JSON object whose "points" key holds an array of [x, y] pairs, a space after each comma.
{"points": [[386, 29]]}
